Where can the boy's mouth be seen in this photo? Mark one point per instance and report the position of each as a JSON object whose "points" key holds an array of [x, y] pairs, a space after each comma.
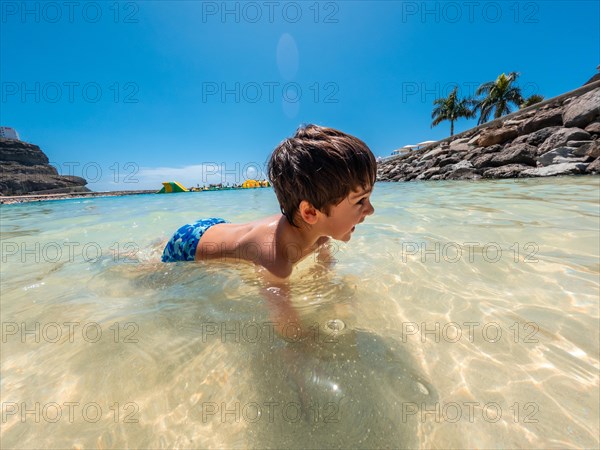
{"points": [[354, 227]]}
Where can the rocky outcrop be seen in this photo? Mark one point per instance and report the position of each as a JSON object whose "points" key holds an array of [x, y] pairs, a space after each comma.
{"points": [[25, 169], [581, 111], [560, 136]]}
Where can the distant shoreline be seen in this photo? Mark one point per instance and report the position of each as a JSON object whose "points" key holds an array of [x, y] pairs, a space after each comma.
{"points": [[29, 198], [12, 199]]}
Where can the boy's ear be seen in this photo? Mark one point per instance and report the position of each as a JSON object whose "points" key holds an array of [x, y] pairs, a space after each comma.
{"points": [[308, 212]]}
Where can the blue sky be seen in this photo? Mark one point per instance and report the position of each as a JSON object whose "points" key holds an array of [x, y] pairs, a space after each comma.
{"points": [[130, 94]]}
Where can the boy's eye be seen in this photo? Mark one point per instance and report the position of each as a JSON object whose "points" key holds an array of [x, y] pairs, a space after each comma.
{"points": [[362, 200]]}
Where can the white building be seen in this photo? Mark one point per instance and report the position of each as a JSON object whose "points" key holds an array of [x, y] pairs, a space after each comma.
{"points": [[9, 133], [410, 148]]}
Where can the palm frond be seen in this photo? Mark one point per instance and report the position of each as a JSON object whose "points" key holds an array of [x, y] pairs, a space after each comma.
{"points": [[498, 95], [451, 108]]}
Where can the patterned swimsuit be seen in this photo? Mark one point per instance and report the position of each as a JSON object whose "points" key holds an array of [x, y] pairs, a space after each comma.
{"points": [[182, 246]]}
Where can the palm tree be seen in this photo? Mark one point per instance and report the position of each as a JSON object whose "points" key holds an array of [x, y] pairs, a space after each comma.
{"points": [[499, 94], [451, 108], [532, 100]]}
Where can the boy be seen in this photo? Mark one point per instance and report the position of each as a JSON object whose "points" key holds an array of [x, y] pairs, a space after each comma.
{"points": [[323, 180]]}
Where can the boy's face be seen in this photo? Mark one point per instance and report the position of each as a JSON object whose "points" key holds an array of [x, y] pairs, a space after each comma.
{"points": [[344, 216]]}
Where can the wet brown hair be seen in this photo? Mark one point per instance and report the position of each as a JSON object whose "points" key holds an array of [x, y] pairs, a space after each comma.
{"points": [[320, 165]]}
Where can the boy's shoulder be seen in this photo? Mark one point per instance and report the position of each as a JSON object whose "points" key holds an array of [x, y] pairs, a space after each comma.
{"points": [[234, 239]]}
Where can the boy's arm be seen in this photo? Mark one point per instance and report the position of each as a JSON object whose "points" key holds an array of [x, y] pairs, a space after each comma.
{"points": [[281, 312], [287, 322]]}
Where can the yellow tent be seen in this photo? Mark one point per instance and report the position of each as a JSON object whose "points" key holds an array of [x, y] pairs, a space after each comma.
{"points": [[250, 184]]}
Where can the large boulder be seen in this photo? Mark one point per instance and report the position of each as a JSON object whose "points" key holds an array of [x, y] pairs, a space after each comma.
{"points": [[548, 118], [555, 169], [483, 161], [582, 110], [496, 136], [452, 159], [594, 166], [428, 173], [563, 152], [479, 151], [508, 171], [461, 145], [561, 137], [462, 170], [438, 151], [537, 137], [593, 128], [591, 149], [515, 154], [462, 174]]}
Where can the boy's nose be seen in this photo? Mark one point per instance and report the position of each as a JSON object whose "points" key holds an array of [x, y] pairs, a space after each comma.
{"points": [[370, 209]]}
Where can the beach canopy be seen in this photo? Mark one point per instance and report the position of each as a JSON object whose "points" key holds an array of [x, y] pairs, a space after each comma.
{"points": [[250, 184], [255, 184], [421, 144], [170, 187]]}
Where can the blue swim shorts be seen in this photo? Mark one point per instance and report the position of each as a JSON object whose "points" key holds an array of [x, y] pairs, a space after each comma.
{"points": [[182, 246]]}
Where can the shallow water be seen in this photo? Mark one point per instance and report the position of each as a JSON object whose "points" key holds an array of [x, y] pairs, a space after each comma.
{"points": [[460, 315]]}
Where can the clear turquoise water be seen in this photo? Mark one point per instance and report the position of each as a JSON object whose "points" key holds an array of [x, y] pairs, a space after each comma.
{"points": [[460, 315]]}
